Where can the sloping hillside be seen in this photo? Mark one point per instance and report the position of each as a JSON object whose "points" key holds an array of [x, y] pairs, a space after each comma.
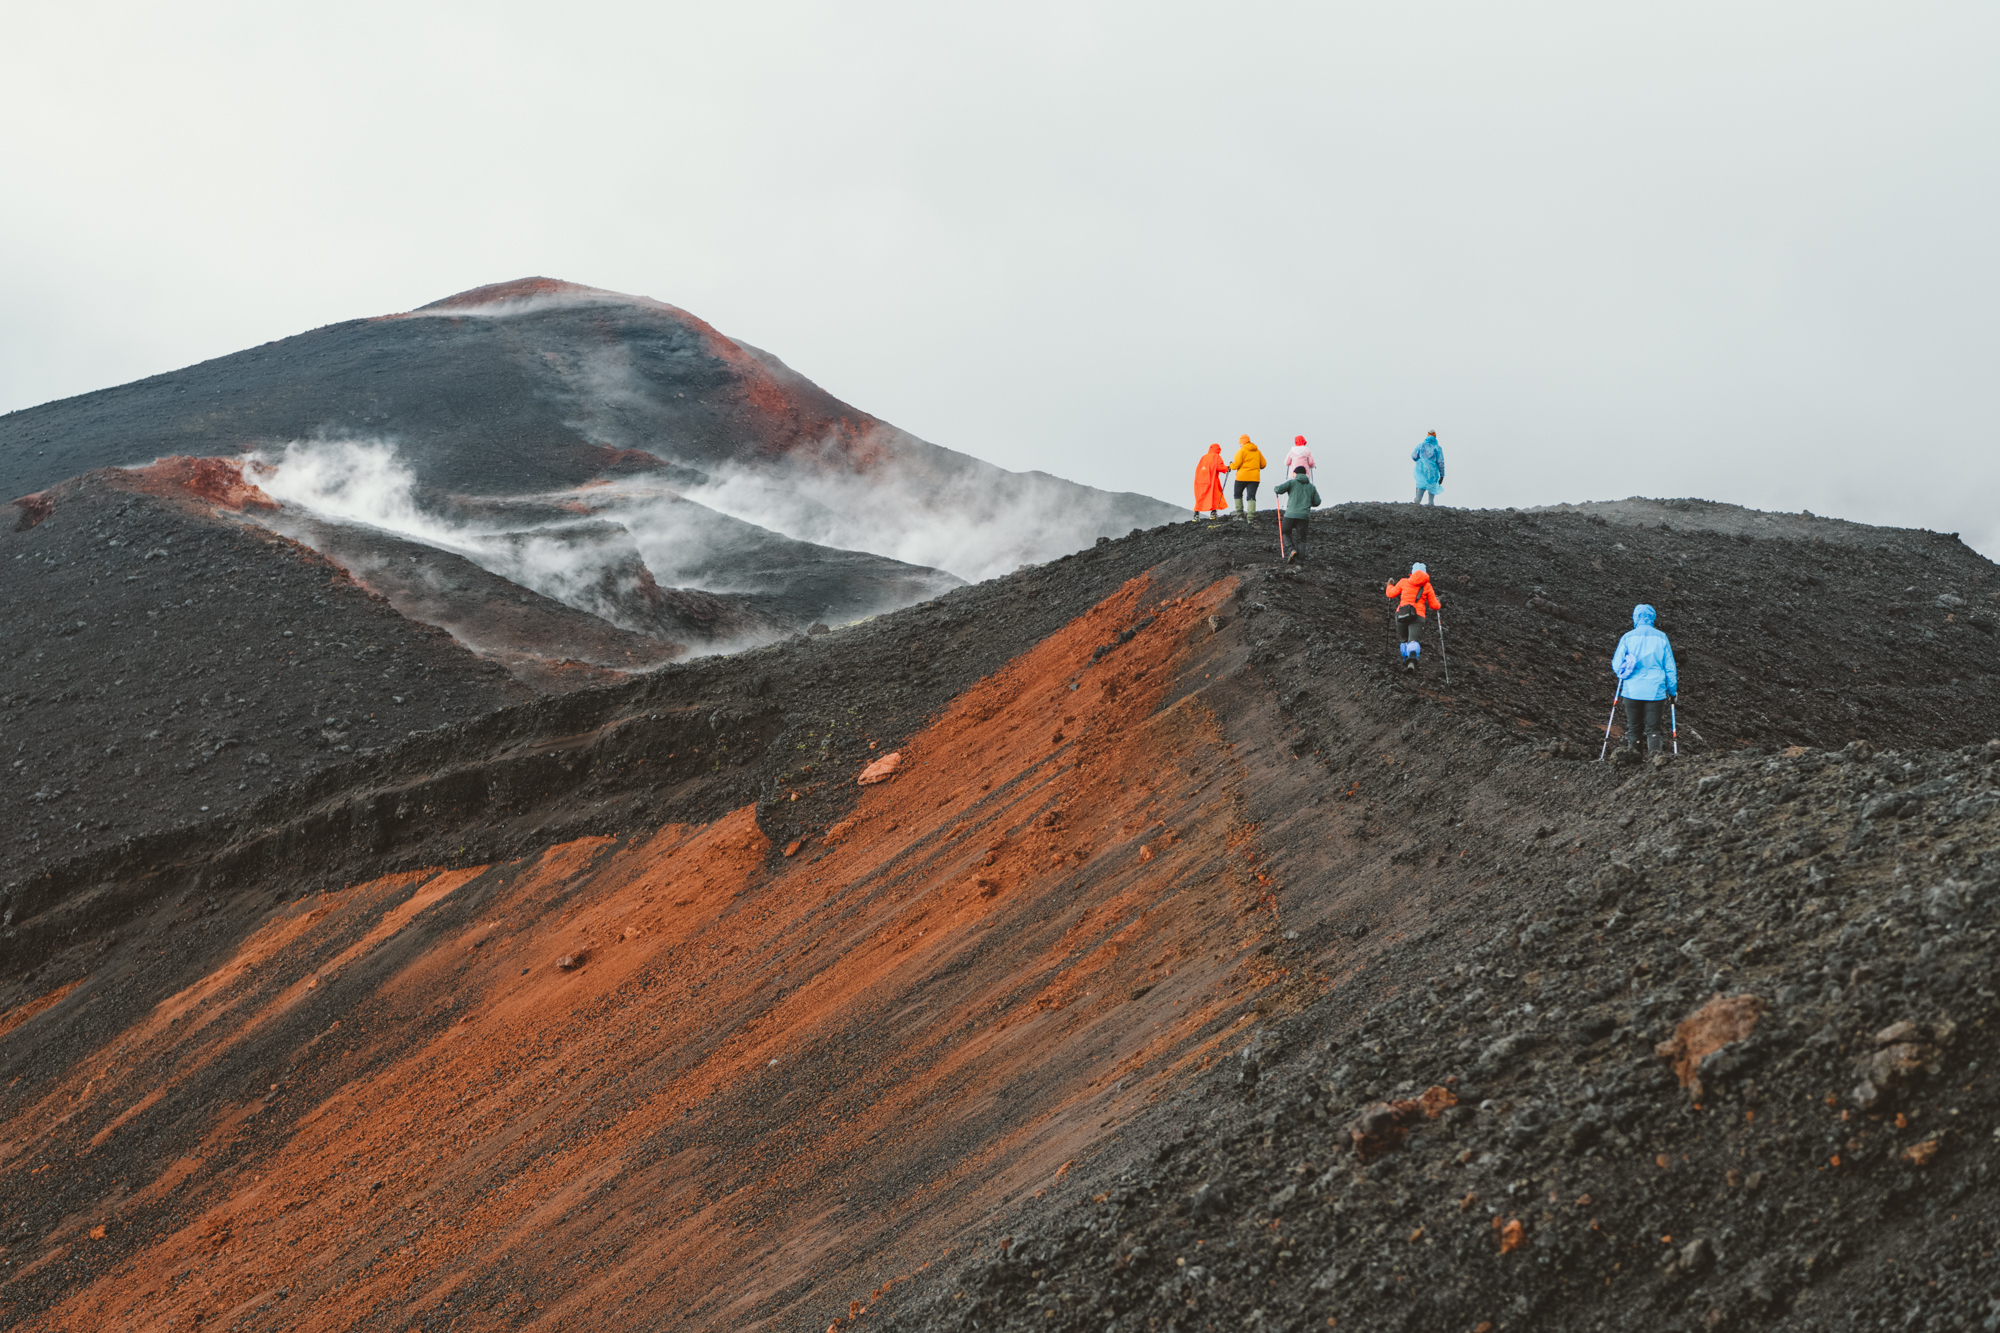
{"points": [[540, 388], [632, 1007]]}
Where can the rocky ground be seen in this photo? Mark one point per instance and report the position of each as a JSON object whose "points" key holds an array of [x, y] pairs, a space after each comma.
{"points": [[1727, 1062], [165, 666], [1195, 885]]}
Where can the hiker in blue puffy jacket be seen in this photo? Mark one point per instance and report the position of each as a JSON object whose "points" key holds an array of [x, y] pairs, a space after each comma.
{"points": [[1644, 665], [1430, 468]]}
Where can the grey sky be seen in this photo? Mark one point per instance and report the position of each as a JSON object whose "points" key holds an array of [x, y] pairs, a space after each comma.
{"points": [[1741, 252]]}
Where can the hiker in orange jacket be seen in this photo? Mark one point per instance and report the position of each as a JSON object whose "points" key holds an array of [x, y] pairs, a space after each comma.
{"points": [[1248, 465], [1208, 482], [1417, 595]]}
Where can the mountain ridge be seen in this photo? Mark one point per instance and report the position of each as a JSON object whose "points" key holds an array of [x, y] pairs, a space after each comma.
{"points": [[632, 1004]]}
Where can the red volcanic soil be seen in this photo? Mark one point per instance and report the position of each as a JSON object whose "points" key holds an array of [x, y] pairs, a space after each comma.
{"points": [[520, 289], [214, 481], [633, 1007], [727, 1075]]}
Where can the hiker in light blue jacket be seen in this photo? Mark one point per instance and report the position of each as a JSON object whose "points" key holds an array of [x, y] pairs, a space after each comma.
{"points": [[1647, 679], [1430, 468]]}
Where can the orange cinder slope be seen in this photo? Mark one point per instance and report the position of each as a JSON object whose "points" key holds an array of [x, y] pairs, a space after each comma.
{"points": [[682, 1073]]}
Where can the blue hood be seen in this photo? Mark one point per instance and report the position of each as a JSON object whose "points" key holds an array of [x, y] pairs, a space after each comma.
{"points": [[1642, 615]]}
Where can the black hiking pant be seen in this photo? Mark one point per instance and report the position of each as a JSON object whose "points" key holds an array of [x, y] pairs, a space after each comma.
{"points": [[1409, 625], [1295, 533], [1646, 717], [1248, 488]]}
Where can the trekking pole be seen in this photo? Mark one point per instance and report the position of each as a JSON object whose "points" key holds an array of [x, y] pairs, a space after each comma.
{"points": [[1441, 650], [1606, 747], [1281, 534], [1674, 712]]}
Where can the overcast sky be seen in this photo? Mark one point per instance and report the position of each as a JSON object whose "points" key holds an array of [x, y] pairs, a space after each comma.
{"points": [[1743, 252]]}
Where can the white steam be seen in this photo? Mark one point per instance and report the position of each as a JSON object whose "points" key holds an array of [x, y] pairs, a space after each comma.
{"points": [[596, 562], [349, 480], [885, 491], [976, 521], [587, 565]]}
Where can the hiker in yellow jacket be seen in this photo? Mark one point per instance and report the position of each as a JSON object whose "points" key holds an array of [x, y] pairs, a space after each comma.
{"points": [[1248, 465]]}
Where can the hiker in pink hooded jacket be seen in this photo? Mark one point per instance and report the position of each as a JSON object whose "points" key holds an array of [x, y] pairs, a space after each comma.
{"points": [[1300, 457]]}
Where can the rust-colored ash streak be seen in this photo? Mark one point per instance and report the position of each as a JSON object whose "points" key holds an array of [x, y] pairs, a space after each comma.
{"points": [[761, 1087], [219, 481]]}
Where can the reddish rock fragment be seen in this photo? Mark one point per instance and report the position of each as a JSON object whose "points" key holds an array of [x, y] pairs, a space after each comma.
{"points": [[34, 508], [1436, 1101], [219, 481], [1896, 1064], [881, 770], [1724, 1019], [1382, 1126], [569, 962]]}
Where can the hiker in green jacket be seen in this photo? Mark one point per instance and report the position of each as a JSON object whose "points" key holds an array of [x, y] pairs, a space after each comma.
{"points": [[1301, 497]]}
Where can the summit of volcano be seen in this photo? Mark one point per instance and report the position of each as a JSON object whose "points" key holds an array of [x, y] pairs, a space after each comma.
{"points": [[611, 453], [541, 388], [222, 579]]}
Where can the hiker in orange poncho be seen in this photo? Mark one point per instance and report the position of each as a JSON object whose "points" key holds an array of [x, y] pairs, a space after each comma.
{"points": [[1248, 465], [1208, 482], [1416, 594]]}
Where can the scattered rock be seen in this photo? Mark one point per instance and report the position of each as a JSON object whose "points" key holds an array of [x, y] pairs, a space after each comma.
{"points": [[1902, 1055], [882, 769], [1723, 1020], [1616, 878], [1247, 1068], [569, 962], [1382, 1126], [1591, 1029], [1697, 1256], [1209, 1199]]}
